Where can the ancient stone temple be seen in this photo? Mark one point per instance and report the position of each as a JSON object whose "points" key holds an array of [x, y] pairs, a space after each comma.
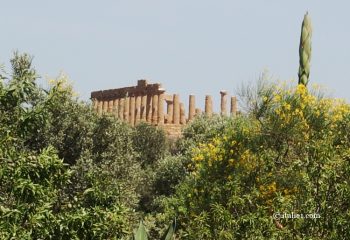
{"points": [[149, 103]]}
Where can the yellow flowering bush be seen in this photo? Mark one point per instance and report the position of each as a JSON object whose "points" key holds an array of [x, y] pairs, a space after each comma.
{"points": [[289, 153]]}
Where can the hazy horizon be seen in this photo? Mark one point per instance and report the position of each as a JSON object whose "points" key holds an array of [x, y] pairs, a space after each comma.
{"points": [[198, 47]]}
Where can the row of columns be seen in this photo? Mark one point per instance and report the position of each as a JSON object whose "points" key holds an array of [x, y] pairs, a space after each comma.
{"points": [[134, 109], [150, 108]]}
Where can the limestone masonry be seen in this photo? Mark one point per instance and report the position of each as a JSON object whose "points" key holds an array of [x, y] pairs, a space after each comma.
{"points": [[146, 103]]}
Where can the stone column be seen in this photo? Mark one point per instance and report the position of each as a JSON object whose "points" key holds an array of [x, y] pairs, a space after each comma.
{"points": [[100, 107], [138, 110], [126, 109], [198, 111], [223, 102], [176, 102], [121, 108], [170, 111], [182, 114], [110, 106], [161, 108], [116, 108], [191, 107], [208, 106], [233, 106], [132, 111], [155, 109], [95, 105], [149, 108], [105, 106], [143, 107]]}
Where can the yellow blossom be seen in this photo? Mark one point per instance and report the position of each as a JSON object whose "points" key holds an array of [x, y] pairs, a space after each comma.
{"points": [[277, 98]]}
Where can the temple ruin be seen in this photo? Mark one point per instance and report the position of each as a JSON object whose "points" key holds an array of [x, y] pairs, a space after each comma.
{"points": [[149, 103]]}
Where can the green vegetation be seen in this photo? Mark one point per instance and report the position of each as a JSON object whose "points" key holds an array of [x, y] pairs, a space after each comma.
{"points": [[293, 157], [67, 173], [141, 232]]}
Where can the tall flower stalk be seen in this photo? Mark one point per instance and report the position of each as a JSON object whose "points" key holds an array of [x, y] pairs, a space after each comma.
{"points": [[305, 51]]}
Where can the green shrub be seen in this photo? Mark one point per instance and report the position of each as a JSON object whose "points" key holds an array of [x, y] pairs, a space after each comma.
{"points": [[200, 130], [293, 157], [41, 197], [30, 190], [168, 173], [150, 143], [69, 123]]}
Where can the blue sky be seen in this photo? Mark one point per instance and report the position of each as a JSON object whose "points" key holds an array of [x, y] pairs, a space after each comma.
{"points": [[190, 46]]}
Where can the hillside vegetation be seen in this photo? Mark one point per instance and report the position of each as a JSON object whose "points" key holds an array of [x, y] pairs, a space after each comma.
{"points": [[67, 173]]}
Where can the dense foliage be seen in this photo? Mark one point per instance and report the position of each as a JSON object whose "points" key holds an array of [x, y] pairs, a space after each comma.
{"points": [[67, 173], [289, 155]]}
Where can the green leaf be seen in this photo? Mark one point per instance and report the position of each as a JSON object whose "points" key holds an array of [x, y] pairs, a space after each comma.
{"points": [[170, 232], [88, 191], [141, 233]]}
